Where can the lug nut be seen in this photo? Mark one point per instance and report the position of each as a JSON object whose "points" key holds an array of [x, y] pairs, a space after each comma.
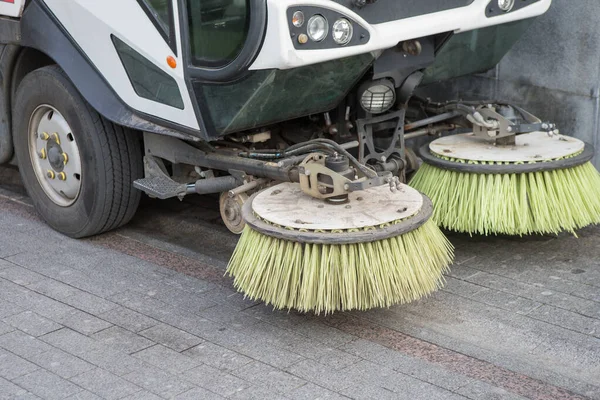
{"points": [[56, 138], [42, 154], [44, 136], [62, 176], [50, 174], [65, 158]]}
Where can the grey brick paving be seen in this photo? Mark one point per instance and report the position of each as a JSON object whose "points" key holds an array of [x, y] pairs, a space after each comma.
{"points": [[23, 344], [31, 323], [310, 391], [105, 384], [122, 340], [171, 337], [84, 395], [61, 363], [158, 381], [218, 357], [7, 309], [80, 321], [13, 366], [255, 392], [216, 381], [166, 359], [270, 377], [128, 319], [198, 393], [9, 390], [47, 385]]}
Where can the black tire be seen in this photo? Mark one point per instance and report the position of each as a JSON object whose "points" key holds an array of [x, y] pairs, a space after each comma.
{"points": [[111, 158]]}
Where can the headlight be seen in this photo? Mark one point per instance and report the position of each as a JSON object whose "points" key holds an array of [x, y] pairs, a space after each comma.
{"points": [[298, 19], [506, 5], [317, 28], [342, 31], [378, 96]]}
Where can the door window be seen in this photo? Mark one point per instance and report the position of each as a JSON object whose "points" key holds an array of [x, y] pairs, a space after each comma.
{"points": [[218, 30]]}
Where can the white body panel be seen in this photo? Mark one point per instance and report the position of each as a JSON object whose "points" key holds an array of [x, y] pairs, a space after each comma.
{"points": [[11, 8], [92, 22], [279, 52]]}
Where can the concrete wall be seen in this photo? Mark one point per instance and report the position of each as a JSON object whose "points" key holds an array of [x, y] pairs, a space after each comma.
{"points": [[553, 71]]}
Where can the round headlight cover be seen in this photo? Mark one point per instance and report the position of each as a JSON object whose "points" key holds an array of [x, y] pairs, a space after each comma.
{"points": [[506, 5], [317, 28], [298, 19], [342, 31]]}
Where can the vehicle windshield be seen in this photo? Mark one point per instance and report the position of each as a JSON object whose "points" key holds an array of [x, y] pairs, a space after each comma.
{"points": [[218, 30]]}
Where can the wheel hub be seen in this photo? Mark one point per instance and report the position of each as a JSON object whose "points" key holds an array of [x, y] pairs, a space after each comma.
{"points": [[55, 155]]}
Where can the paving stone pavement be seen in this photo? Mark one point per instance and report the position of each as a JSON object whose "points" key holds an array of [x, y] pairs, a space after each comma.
{"points": [[145, 313]]}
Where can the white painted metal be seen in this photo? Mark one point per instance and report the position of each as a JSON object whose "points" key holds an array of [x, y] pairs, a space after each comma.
{"points": [[286, 205], [92, 22], [535, 146], [12, 8], [279, 52]]}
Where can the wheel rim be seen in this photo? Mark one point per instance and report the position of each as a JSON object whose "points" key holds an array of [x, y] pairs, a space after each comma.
{"points": [[55, 155]]}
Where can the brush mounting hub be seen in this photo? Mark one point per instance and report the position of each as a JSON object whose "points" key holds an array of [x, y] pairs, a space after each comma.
{"points": [[533, 152], [285, 212]]}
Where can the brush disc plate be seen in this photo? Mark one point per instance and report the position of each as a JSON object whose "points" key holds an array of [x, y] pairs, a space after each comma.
{"points": [[529, 147], [287, 206]]}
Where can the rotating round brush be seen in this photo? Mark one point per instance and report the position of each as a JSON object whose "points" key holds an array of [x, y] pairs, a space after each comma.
{"points": [[541, 184], [376, 249]]}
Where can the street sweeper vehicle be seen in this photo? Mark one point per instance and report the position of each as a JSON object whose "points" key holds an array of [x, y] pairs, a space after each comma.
{"points": [[299, 113]]}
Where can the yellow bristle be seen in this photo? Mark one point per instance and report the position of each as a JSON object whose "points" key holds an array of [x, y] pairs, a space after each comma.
{"points": [[328, 278], [546, 202]]}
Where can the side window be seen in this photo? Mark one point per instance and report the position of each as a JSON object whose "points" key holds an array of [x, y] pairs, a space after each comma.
{"points": [[161, 8], [160, 13], [218, 30]]}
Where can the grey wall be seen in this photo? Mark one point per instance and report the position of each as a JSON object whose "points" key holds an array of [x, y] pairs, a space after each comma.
{"points": [[553, 71]]}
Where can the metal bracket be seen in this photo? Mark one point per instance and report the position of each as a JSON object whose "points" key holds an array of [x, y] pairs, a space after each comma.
{"points": [[490, 124], [320, 182], [365, 135]]}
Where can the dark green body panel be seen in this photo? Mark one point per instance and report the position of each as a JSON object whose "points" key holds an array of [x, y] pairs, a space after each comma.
{"points": [[475, 51], [269, 96]]}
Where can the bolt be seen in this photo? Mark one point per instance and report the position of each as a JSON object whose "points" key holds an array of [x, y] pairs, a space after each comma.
{"points": [[544, 126], [509, 129], [346, 187], [50, 174], [42, 154], [65, 157], [44, 136], [62, 176], [307, 172], [56, 138]]}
